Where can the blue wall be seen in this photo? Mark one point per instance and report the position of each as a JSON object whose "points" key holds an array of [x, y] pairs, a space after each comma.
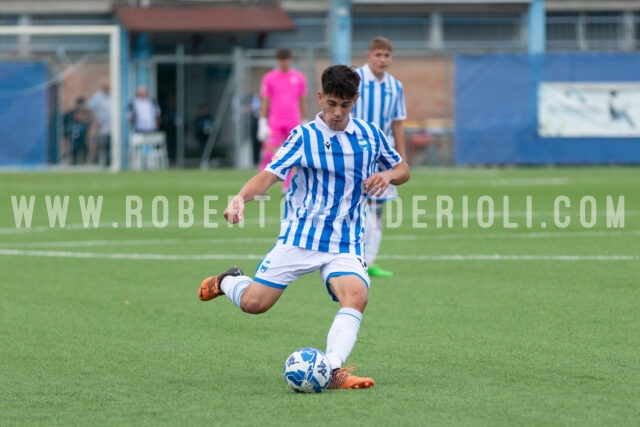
{"points": [[496, 108], [23, 113]]}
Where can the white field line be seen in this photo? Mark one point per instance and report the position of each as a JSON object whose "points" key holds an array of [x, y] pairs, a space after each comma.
{"points": [[532, 235], [498, 257], [109, 225], [154, 242], [134, 256], [205, 257], [272, 240], [499, 182]]}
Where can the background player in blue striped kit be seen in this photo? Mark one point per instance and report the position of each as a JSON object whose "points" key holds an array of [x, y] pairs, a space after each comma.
{"points": [[335, 157], [381, 101]]}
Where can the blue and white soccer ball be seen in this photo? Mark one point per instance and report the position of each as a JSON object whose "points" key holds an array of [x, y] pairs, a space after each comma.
{"points": [[307, 370]]}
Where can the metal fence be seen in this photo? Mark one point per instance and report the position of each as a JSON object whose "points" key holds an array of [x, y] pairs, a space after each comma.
{"points": [[448, 32], [505, 32], [593, 32]]}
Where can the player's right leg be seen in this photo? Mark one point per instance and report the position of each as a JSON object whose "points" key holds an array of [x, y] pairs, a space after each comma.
{"points": [[210, 287], [281, 266], [251, 297]]}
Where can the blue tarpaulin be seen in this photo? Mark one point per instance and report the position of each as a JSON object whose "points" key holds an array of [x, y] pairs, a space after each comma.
{"points": [[23, 114], [496, 107]]}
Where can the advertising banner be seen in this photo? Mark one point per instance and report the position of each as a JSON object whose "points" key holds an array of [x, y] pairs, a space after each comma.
{"points": [[589, 110]]}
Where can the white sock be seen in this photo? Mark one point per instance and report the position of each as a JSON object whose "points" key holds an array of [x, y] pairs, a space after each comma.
{"points": [[234, 286], [372, 236], [342, 336]]}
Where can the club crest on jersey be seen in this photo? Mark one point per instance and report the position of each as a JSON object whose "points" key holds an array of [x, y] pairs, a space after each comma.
{"points": [[279, 153], [363, 144], [282, 149], [265, 265]]}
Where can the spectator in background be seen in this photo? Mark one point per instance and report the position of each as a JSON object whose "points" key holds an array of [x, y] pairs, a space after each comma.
{"points": [[381, 101], [77, 122], [144, 113], [203, 125], [283, 91], [255, 116], [100, 106]]}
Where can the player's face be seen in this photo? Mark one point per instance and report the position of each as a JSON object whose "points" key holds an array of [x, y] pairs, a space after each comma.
{"points": [[284, 64], [335, 111], [379, 61]]}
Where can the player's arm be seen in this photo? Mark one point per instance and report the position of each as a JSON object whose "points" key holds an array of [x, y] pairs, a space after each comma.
{"points": [[397, 129], [396, 170], [378, 182], [256, 186]]}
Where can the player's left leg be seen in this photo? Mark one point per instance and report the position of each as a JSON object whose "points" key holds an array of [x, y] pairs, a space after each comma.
{"points": [[347, 283]]}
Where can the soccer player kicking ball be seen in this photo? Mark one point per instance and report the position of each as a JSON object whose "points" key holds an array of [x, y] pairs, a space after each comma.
{"points": [[335, 156]]}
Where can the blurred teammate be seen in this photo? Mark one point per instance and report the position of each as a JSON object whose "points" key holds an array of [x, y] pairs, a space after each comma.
{"points": [[323, 219], [283, 106], [381, 102]]}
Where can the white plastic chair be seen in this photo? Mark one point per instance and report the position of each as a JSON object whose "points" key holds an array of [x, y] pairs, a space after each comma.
{"points": [[148, 151]]}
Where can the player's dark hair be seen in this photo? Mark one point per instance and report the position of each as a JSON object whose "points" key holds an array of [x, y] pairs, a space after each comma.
{"points": [[283, 53], [340, 81]]}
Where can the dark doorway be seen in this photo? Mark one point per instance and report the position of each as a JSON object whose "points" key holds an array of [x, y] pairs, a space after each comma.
{"points": [[203, 88]]}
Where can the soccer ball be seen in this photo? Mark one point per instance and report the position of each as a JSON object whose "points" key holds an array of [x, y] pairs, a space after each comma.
{"points": [[307, 370]]}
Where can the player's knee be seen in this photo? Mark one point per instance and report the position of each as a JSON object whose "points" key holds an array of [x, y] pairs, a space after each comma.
{"points": [[362, 302], [358, 301], [253, 305]]}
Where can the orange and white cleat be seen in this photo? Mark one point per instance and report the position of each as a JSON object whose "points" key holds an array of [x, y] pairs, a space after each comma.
{"points": [[342, 378], [210, 287]]}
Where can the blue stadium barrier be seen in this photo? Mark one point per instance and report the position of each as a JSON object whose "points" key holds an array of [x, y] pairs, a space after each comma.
{"points": [[496, 108], [24, 131]]}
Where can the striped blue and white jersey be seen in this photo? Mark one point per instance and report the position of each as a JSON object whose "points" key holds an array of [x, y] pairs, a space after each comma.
{"points": [[324, 208], [380, 101]]}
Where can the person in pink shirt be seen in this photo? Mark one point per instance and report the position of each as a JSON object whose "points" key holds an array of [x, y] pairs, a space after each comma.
{"points": [[283, 92]]}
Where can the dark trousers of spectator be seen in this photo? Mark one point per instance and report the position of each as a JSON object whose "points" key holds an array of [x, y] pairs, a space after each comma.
{"points": [[78, 152], [255, 143], [104, 150]]}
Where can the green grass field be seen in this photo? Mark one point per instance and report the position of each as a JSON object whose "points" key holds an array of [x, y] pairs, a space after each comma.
{"points": [[481, 325]]}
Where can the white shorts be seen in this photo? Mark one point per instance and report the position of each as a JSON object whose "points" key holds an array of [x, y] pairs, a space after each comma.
{"points": [[284, 264]]}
